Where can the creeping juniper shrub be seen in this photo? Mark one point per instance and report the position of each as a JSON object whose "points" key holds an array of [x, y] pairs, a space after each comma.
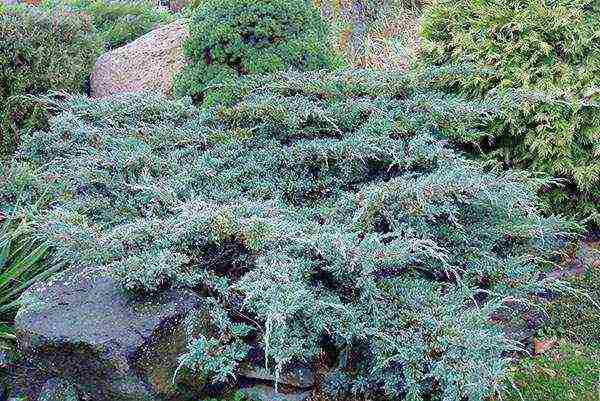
{"points": [[544, 54], [322, 216], [232, 38], [39, 52]]}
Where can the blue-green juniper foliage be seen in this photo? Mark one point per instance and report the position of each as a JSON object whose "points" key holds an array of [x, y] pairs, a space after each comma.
{"points": [[323, 217]]}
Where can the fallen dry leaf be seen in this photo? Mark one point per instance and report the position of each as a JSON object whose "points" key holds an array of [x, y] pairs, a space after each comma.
{"points": [[548, 372], [542, 346]]}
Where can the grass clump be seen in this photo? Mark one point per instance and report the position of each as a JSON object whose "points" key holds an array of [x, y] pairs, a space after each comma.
{"points": [[381, 34], [322, 216], [569, 372], [39, 52], [545, 54], [233, 38]]}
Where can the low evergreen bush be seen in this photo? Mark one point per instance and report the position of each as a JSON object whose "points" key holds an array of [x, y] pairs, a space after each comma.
{"points": [[322, 216], [546, 55], [39, 52], [118, 22], [232, 38]]}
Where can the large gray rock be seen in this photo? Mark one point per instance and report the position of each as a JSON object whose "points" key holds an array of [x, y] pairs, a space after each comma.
{"points": [[82, 327], [148, 63]]}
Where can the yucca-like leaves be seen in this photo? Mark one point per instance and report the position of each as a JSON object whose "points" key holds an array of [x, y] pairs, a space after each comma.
{"points": [[24, 261]]}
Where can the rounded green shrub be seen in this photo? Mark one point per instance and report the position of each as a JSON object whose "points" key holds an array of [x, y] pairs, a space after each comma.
{"points": [[545, 56], [231, 38], [39, 52], [121, 22]]}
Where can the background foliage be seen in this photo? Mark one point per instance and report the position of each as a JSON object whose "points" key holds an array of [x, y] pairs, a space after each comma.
{"points": [[232, 38], [39, 51], [117, 22], [323, 217], [545, 54]]}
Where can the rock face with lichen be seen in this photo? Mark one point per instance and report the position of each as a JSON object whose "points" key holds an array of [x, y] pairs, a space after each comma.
{"points": [[83, 328], [146, 64]]}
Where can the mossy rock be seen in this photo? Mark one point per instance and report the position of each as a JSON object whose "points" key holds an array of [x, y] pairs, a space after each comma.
{"points": [[576, 315]]}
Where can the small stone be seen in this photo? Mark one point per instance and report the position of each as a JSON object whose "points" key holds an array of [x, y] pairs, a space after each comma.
{"points": [[267, 393], [297, 376], [542, 346], [3, 359]]}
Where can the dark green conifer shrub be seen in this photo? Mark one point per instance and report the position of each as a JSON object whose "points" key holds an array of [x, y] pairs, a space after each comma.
{"points": [[232, 38], [322, 216], [546, 56], [118, 22], [39, 52]]}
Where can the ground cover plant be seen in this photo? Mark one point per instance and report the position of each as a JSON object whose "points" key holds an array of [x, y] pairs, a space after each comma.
{"points": [[546, 54], [120, 22], [39, 52], [323, 217], [568, 367], [583, 303], [232, 38]]}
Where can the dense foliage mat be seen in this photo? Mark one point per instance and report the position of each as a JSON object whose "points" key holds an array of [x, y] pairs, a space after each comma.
{"points": [[120, 22], [232, 38], [323, 217], [39, 52], [544, 53]]}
